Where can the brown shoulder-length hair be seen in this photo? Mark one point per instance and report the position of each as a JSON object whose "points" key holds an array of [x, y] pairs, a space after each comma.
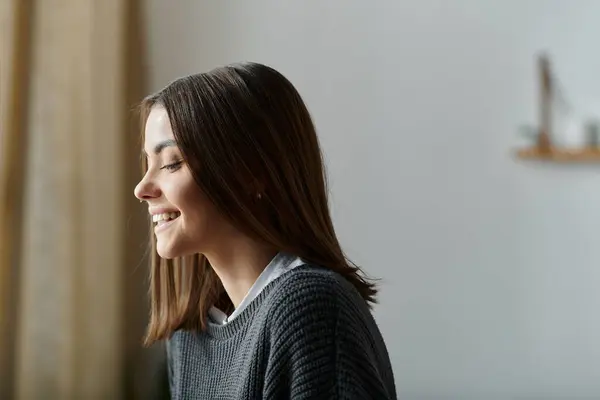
{"points": [[251, 145]]}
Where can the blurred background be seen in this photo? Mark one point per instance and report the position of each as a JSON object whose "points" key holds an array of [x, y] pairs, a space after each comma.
{"points": [[489, 263]]}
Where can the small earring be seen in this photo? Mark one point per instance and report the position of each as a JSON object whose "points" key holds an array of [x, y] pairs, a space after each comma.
{"points": [[141, 201], [259, 196]]}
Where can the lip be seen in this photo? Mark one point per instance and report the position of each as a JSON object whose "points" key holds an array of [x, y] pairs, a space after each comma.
{"points": [[154, 211], [163, 226]]}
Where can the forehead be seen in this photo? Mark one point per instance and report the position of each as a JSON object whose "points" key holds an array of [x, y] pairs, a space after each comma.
{"points": [[158, 127]]}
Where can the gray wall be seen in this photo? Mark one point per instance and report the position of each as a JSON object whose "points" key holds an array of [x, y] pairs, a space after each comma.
{"points": [[490, 267]]}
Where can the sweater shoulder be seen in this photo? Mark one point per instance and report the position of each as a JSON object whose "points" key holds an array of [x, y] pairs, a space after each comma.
{"points": [[310, 290], [310, 281], [324, 339]]}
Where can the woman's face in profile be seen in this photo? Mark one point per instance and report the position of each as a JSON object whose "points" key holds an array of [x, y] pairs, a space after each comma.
{"points": [[185, 221]]}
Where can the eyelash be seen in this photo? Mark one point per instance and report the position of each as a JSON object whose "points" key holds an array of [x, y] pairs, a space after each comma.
{"points": [[173, 166]]}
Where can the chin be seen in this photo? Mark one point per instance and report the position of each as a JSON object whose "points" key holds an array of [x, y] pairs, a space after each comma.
{"points": [[168, 252], [172, 250]]}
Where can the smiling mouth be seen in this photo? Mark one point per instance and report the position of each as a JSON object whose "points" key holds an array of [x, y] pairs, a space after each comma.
{"points": [[161, 219]]}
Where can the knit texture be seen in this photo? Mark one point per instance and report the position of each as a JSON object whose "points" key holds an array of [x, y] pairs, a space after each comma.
{"points": [[308, 335]]}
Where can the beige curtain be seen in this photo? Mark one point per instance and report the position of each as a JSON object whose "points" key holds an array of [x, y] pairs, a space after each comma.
{"points": [[14, 38], [72, 306]]}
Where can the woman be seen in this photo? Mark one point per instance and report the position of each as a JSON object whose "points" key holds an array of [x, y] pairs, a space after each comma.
{"points": [[249, 285]]}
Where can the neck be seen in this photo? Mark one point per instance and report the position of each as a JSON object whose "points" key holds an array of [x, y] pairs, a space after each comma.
{"points": [[239, 264]]}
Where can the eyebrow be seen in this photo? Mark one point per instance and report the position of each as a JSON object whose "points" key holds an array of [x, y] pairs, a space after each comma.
{"points": [[160, 146]]}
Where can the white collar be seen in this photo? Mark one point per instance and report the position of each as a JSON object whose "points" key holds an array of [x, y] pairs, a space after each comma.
{"points": [[279, 265]]}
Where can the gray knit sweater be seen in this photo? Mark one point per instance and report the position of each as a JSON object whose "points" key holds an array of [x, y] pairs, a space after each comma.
{"points": [[308, 335]]}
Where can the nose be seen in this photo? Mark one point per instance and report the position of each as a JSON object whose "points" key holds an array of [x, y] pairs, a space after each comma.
{"points": [[146, 189]]}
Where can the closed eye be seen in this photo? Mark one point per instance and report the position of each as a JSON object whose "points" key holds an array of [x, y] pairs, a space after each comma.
{"points": [[173, 166]]}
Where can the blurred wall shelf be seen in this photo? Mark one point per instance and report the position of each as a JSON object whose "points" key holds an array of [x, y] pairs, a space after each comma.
{"points": [[544, 149], [559, 155]]}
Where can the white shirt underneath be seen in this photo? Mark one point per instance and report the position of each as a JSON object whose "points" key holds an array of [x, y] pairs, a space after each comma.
{"points": [[279, 265]]}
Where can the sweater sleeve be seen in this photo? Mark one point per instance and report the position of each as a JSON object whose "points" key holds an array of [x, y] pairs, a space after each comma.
{"points": [[325, 345]]}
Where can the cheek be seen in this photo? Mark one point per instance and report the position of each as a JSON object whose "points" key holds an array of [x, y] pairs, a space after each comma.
{"points": [[199, 213], [182, 191], [185, 198], [195, 207]]}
